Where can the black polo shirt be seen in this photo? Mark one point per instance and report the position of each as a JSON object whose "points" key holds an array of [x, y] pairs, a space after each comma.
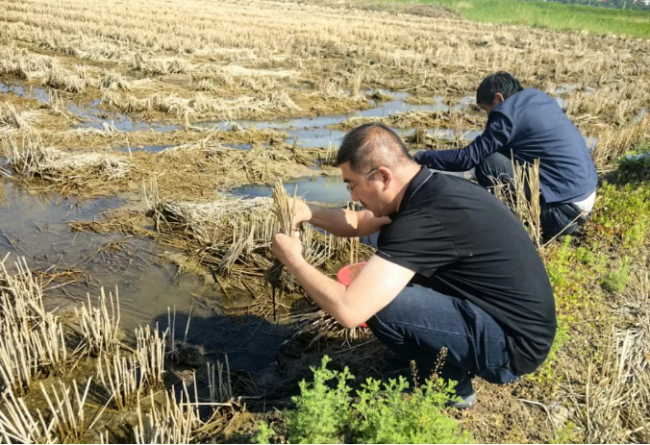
{"points": [[462, 241]]}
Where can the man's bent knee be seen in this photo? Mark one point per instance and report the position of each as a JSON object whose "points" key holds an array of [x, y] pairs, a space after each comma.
{"points": [[496, 168]]}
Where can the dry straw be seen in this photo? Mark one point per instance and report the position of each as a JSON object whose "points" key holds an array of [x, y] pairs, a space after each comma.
{"points": [[100, 325], [32, 340], [284, 209], [219, 382], [175, 421], [67, 406], [150, 354], [522, 195], [19, 424], [120, 375], [30, 157]]}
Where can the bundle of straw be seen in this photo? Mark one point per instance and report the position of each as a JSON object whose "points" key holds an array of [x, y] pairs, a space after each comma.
{"points": [[284, 210]]}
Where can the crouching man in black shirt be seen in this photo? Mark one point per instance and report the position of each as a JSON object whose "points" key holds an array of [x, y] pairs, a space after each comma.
{"points": [[454, 267]]}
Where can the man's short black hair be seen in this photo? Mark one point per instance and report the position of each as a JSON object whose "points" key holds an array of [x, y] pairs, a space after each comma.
{"points": [[370, 146], [500, 82]]}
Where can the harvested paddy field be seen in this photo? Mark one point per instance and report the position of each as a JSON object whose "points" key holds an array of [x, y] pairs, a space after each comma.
{"points": [[139, 144]]}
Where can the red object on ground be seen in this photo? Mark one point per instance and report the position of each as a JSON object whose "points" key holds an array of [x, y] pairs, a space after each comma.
{"points": [[347, 274]]}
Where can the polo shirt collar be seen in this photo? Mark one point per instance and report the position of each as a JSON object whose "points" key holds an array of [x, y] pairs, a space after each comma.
{"points": [[416, 183]]}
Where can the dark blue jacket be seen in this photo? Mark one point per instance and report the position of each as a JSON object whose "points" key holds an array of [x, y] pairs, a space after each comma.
{"points": [[533, 126]]}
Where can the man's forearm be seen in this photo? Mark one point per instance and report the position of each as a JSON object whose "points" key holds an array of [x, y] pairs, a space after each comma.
{"points": [[326, 292], [444, 160], [346, 223]]}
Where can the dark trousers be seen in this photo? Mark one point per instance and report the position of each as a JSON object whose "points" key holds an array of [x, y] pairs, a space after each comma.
{"points": [[554, 218], [420, 321]]}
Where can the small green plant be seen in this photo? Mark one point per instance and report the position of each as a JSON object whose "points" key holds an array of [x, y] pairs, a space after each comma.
{"points": [[616, 281], [385, 415], [558, 268], [382, 413], [321, 411], [264, 434], [585, 256]]}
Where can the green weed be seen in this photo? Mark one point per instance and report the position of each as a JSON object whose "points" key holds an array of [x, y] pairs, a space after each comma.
{"points": [[321, 412], [622, 213], [264, 434], [385, 415], [382, 413], [558, 267], [616, 281]]}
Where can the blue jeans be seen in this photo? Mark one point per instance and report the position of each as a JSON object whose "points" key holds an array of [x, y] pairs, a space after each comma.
{"points": [[419, 322], [498, 167]]}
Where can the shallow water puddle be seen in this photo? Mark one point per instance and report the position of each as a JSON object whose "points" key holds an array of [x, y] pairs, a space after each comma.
{"points": [[313, 132], [324, 189], [450, 135], [160, 148], [37, 228], [90, 114], [31, 93], [309, 132]]}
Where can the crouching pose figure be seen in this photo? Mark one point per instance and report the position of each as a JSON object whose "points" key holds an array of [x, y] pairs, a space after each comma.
{"points": [[454, 267]]}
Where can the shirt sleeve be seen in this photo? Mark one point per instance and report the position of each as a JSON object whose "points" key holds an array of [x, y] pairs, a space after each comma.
{"points": [[416, 240], [498, 134]]}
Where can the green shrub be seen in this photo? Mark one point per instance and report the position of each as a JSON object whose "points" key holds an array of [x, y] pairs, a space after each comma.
{"points": [[321, 412], [616, 281], [383, 413], [264, 434]]}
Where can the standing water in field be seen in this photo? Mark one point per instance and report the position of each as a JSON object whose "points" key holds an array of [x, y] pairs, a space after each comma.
{"points": [[323, 189], [72, 264]]}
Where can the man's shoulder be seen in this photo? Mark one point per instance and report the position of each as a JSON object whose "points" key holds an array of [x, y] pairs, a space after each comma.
{"points": [[443, 186], [523, 99]]}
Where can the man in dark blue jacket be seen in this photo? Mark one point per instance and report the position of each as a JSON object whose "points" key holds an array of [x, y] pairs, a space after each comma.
{"points": [[528, 124]]}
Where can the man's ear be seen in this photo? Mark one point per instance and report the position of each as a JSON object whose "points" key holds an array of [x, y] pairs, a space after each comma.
{"points": [[498, 97], [386, 176]]}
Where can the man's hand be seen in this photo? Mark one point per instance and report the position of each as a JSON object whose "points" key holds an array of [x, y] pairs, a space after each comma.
{"points": [[303, 212], [287, 249]]}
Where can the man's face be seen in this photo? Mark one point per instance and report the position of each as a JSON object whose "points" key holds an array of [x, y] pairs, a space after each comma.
{"points": [[498, 98], [367, 187]]}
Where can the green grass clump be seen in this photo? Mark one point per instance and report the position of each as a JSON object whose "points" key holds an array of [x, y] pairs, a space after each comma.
{"points": [[616, 281], [326, 412], [550, 15]]}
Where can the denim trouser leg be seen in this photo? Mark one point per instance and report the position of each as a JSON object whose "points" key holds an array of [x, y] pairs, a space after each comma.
{"points": [[555, 221], [420, 322], [498, 167]]}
